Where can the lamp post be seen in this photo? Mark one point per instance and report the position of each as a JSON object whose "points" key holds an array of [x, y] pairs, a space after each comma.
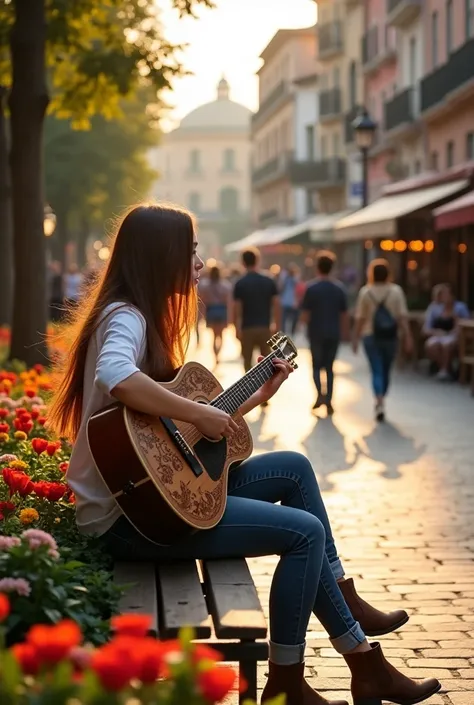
{"points": [[49, 225], [364, 132]]}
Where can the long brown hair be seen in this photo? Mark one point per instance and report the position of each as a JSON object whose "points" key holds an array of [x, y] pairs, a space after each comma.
{"points": [[150, 267]]}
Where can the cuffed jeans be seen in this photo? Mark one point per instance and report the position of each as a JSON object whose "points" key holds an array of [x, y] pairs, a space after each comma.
{"points": [[381, 356], [253, 525], [323, 354]]}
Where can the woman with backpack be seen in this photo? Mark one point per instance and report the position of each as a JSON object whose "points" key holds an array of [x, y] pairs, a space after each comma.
{"points": [[381, 312]]}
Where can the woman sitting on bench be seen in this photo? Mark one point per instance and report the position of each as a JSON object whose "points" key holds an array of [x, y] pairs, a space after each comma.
{"points": [[132, 328]]}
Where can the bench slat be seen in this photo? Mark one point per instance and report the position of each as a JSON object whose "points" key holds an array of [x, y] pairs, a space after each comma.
{"points": [[141, 597], [233, 601], [182, 600]]}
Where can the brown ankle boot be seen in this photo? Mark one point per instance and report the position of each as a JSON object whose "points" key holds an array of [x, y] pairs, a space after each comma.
{"points": [[374, 680], [373, 621], [290, 681]]}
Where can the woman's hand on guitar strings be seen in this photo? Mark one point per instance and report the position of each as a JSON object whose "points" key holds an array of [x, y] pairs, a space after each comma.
{"points": [[283, 369], [214, 423]]}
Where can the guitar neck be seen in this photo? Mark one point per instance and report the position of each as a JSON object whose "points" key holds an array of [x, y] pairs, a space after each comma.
{"points": [[232, 398]]}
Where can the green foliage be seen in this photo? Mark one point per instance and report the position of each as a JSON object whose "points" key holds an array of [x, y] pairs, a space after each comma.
{"points": [[97, 172]]}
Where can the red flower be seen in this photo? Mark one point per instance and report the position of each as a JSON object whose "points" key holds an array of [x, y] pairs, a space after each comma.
{"points": [[216, 683], [39, 445], [131, 624], [30, 393], [150, 656], [34, 414], [113, 670], [40, 488], [50, 490], [4, 428], [4, 607], [38, 368], [63, 467], [21, 410], [17, 481], [53, 642], [42, 420], [202, 652], [4, 413], [6, 508], [52, 447], [27, 658]]}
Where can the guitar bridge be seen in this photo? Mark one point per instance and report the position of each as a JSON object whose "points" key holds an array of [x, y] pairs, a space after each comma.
{"points": [[183, 447]]}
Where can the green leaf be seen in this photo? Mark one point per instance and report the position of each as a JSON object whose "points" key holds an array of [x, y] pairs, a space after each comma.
{"points": [[11, 673], [186, 636], [53, 615]]}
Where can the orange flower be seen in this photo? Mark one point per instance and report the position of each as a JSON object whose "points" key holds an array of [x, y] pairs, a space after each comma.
{"points": [[131, 624], [113, 670], [27, 658], [216, 683], [4, 607], [54, 642]]}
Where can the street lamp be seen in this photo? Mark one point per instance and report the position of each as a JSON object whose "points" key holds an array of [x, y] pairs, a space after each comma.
{"points": [[49, 221], [364, 131]]}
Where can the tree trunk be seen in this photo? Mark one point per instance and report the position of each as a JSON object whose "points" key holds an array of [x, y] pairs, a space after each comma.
{"points": [[6, 232], [28, 103]]}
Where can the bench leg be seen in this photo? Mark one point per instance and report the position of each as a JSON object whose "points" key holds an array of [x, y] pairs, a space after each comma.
{"points": [[248, 672]]}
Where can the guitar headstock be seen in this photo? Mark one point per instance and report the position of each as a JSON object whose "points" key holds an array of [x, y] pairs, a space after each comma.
{"points": [[285, 347]]}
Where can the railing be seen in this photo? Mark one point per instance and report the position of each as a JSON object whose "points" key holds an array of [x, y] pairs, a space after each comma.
{"points": [[399, 110], [330, 102], [330, 38], [327, 172], [458, 70], [280, 91]]}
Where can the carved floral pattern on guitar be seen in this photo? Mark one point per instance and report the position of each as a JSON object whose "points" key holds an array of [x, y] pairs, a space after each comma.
{"points": [[196, 379]]}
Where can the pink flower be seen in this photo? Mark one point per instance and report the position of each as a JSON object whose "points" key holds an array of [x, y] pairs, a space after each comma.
{"points": [[37, 538], [7, 542], [8, 457], [18, 585]]}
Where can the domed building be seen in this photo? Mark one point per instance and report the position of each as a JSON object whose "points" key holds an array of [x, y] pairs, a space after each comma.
{"points": [[204, 164]]}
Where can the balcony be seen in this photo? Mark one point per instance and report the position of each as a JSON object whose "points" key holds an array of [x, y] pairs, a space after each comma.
{"points": [[378, 48], [402, 12], [330, 102], [273, 101], [328, 172], [400, 110], [449, 79], [331, 39], [349, 118]]}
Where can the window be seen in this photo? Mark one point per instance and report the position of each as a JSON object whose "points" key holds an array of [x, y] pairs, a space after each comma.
{"points": [[470, 146], [449, 27], [309, 142], [228, 163], [434, 161], [450, 154], [229, 200], [352, 84], [194, 202], [434, 40], [469, 18], [335, 145], [412, 68], [417, 167], [336, 77], [324, 147], [195, 160]]}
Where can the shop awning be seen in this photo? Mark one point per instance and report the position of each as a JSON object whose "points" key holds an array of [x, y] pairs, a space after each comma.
{"points": [[455, 214], [255, 238], [322, 226], [379, 219]]}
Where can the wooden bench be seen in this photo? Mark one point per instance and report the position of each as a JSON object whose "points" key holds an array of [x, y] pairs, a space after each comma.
{"points": [[220, 603]]}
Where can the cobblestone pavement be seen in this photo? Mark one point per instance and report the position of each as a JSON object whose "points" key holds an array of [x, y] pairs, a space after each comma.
{"points": [[400, 497]]}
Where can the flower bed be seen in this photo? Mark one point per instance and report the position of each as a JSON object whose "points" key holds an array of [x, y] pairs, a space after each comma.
{"points": [[53, 666], [41, 552]]}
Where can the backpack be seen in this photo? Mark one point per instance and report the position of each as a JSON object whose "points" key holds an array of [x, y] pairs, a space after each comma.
{"points": [[384, 324]]}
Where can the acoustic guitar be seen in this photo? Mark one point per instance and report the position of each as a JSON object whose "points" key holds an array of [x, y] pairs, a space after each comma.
{"points": [[169, 479]]}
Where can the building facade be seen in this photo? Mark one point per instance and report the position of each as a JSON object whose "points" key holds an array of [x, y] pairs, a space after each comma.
{"points": [[284, 141], [204, 164]]}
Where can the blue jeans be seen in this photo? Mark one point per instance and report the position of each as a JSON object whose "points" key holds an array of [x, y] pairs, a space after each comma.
{"points": [[289, 319], [381, 356], [253, 525]]}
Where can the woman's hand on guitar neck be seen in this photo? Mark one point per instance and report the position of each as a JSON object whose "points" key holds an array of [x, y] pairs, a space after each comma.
{"points": [[214, 423]]}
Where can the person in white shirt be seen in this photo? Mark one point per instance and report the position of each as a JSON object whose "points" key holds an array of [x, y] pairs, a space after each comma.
{"points": [[132, 330]]}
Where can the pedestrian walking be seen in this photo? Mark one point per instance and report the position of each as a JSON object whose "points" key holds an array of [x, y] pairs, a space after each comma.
{"points": [[289, 298], [215, 294], [256, 309], [324, 310], [73, 280], [381, 314]]}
